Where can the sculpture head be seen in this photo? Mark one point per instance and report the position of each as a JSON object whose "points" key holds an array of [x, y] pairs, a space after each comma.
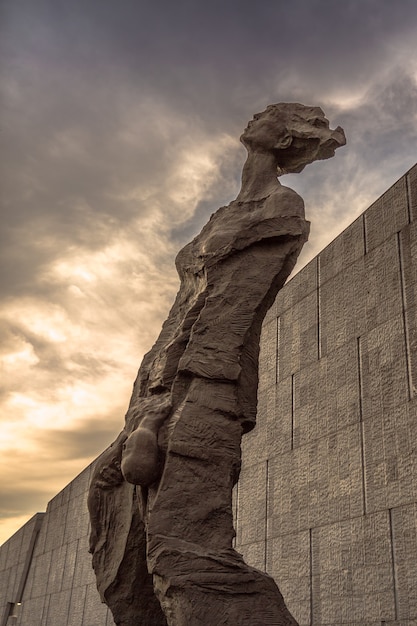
{"points": [[294, 134]]}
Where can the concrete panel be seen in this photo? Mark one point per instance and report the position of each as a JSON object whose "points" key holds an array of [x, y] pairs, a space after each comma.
{"points": [[348, 247], [384, 368], [390, 458], [252, 504], [388, 215], [404, 533], [327, 395], [298, 337], [353, 571], [316, 484]]}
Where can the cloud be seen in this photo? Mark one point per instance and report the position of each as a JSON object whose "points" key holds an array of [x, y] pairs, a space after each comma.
{"points": [[120, 125]]}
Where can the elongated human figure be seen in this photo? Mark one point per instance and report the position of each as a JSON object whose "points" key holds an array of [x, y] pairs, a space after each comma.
{"points": [[160, 498]]}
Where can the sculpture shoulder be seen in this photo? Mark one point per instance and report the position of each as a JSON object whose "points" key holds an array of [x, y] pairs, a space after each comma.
{"points": [[284, 202], [241, 224]]}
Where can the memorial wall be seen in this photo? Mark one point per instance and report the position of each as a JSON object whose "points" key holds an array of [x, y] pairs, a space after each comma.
{"points": [[327, 498]]}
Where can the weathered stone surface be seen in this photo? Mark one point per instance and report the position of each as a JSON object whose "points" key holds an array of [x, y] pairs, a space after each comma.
{"points": [[195, 394]]}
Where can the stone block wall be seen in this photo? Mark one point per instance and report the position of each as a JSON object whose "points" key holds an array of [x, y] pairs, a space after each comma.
{"points": [[327, 500], [60, 588]]}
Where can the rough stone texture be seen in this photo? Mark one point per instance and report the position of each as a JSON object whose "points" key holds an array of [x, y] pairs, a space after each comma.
{"points": [[196, 393], [350, 583]]}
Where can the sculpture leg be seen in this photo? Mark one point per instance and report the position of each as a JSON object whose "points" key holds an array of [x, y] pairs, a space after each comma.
{"points": [[198, 577]]}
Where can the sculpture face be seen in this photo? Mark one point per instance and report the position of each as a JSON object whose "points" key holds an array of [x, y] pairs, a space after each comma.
{"points": [[295, 134]]}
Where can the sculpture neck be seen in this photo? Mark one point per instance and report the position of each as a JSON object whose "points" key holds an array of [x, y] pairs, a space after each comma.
{"points": [[259, 177]]}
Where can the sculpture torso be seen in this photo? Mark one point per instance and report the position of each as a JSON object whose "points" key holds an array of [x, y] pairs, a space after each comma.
{"points": [[184, 346]]}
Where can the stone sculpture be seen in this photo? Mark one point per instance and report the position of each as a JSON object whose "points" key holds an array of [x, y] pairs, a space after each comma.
{"points": [[161, 496]]}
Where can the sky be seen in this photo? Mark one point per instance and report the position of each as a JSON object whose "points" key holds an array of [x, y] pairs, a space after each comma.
{"points": [[120, 125]]}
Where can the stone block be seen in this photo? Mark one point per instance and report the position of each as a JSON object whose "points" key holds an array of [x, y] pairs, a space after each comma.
{"points": [[316, 483], [412, 191], [60, 499], [388, 215], [15, 544], [58, 608], [254, 554], [12, 582], [252, 504], [57, 569], [300, 286], [366, 294], [384, 368], [43, 533], [33, 611], [353, 571], [254, 443], [94, 611], [69, 568], [268, 355], [347, 248], [83, 570], [41, 565], [56, 517], [279, 418], [408, 245], [297, 596], [4, 556], [76, 605], [288, 556], [404, 533], [390, 459], [326, 395], [77, 520], [298, 337], [81, 483]]}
